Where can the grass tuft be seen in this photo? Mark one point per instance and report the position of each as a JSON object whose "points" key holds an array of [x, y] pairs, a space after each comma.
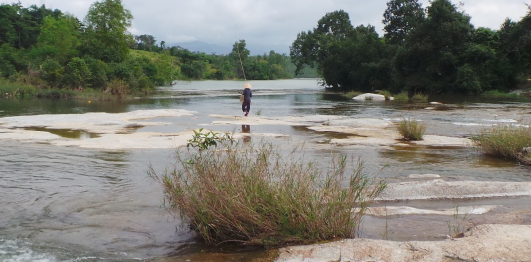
{"points": [[402, 97], [411, 129], [505, 141], [251, 194], [419, 98]]}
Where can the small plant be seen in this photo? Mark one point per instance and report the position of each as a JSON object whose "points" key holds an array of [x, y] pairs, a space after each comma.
{"points": [[203, 141], [505, 141], [254, 195], [419, 98], [455, 227], [411, 129]]}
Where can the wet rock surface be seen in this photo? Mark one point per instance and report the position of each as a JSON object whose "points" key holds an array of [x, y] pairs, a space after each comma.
{"points": [[481, 243]]}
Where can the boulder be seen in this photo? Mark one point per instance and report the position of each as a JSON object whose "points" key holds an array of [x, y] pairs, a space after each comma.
{"points": [[369, 97]]}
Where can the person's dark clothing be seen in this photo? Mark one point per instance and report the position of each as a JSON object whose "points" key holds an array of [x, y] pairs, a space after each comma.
{"points": [[246, 105]]}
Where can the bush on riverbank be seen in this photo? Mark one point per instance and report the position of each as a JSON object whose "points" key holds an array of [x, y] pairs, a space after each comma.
{"points": [[411, 129], [10, 89], [505, 141], [253, 195]]}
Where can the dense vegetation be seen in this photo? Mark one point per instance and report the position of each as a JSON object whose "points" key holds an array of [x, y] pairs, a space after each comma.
{"points": [[429, 50], [46, 48]]}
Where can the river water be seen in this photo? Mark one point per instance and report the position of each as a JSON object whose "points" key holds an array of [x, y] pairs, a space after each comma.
{"points": [[60, 203]]}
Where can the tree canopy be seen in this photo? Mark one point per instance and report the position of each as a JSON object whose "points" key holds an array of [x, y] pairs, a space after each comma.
{"points": [[431, 50]]}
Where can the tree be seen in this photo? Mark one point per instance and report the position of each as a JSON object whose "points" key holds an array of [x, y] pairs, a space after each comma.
{"points": [[339, 51], [60, 37], [106, 36], [146, 42], [400, 17], [77, 73], [432, 58]]}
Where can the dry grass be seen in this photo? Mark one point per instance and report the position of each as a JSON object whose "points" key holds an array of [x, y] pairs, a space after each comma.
{"points": [[505, 141], [411, 129], [254, 195]]}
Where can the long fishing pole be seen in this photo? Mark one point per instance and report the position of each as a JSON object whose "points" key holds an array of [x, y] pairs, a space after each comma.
{"points": [[241, 63]]}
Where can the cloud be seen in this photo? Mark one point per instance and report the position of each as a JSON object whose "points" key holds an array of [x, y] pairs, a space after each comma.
{"points": [[264, 23]]}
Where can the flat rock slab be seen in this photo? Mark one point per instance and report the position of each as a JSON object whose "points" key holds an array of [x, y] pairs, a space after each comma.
{"points": [[440, 189], [481, 243]]}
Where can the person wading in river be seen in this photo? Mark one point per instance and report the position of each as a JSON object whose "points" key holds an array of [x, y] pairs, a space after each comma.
{"points": [[247, 94]]}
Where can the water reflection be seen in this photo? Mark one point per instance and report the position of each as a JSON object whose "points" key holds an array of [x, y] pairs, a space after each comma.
{"points": [[247, 130]]}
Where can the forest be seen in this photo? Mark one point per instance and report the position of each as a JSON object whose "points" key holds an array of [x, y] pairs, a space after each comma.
{"points": [[432, 50], [49, 49], [428, 50]]}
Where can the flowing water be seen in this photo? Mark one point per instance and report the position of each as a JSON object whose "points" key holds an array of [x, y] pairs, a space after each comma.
{"points": [[76, 204]]}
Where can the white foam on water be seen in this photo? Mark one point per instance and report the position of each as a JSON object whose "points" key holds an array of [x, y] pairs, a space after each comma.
{"points": [[19, 251]]}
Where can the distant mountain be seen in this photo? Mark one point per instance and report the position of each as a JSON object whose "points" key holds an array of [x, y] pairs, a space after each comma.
{"points": [[207, 48]]}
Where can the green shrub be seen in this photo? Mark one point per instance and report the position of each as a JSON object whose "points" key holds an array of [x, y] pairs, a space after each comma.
{"points": [[386, 93], [497, 93], [15, 89], [419, 98], [411, 129], [253, 195], [402, 97], [504, 141]]}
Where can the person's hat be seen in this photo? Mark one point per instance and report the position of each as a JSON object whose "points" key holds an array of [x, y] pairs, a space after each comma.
{"points": [[247, 85]]}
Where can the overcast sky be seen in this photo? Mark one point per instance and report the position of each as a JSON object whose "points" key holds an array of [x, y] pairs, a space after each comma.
{"points": [[264, 24]]}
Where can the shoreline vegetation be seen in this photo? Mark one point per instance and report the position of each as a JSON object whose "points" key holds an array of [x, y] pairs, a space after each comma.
{"points": [[60, 55]]}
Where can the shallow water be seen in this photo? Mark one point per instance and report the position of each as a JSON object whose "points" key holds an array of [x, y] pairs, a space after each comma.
{"points": [[74, 204]]}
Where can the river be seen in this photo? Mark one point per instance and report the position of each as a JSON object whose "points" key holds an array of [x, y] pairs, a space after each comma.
{"points": [[71, 203]]}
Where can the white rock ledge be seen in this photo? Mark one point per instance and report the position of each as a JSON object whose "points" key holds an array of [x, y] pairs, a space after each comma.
{"points": [[481, 243]]}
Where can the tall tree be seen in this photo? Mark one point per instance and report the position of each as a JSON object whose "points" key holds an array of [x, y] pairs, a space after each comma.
{"points": [[106, 36], [400, 17], [325, 47], [432, 58]]}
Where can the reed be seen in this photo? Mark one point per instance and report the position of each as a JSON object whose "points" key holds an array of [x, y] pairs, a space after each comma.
{"points": [[411, 129], [419, 98], [252, 194], [505, 141]]}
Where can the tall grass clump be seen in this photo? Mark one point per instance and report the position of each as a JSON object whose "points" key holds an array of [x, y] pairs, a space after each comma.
{"points": [[505, 141], [403, 96], [419, 98], [252, 194], [411, 129]]}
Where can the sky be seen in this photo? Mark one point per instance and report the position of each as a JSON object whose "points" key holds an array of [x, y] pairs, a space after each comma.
{"points": [[264, 24]]}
